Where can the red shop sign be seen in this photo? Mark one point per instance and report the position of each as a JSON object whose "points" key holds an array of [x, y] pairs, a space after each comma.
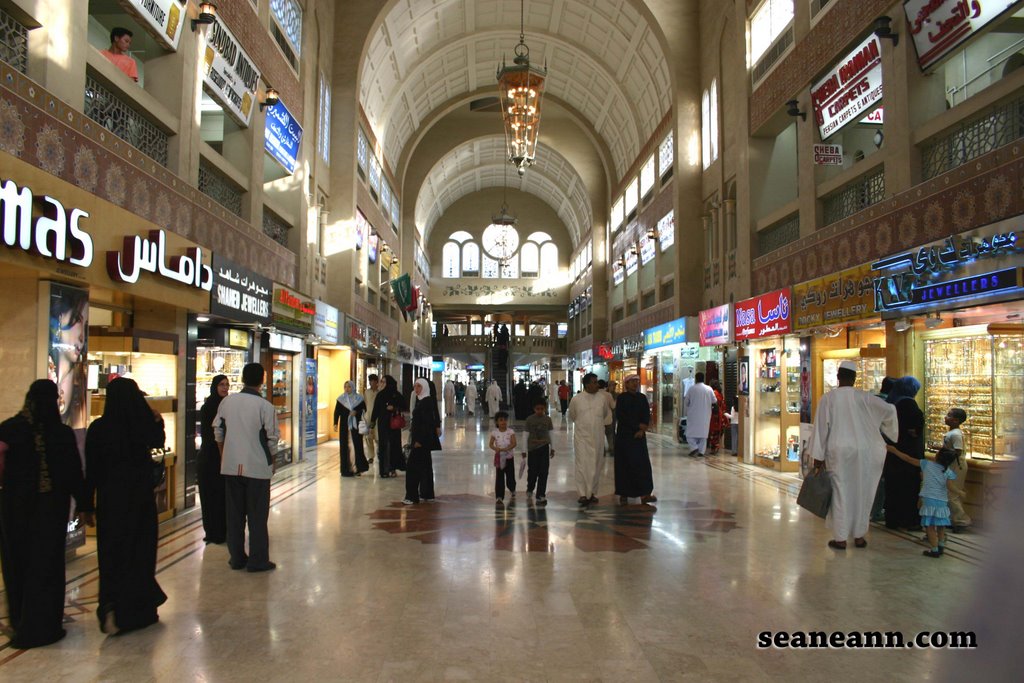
{"points": [[767, 315]]}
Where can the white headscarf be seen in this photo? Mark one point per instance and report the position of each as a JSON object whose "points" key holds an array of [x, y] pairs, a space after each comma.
{"points": [[425, 383], [350, 399]]}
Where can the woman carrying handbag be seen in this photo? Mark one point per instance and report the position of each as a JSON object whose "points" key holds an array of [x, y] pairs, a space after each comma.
{"points": [[388, 413]]}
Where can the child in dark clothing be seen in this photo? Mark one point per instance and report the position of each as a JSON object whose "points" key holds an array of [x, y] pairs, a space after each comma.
{"points": [[539, 452]]}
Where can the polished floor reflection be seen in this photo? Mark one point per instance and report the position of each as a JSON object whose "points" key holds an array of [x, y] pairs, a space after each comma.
{"points": [[368, 589]]}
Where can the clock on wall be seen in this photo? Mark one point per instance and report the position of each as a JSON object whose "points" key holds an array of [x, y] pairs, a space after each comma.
{"points": [[500, 241]]}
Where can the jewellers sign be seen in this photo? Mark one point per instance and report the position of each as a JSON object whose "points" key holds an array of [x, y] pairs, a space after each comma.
{"points": [[768, 315], [163, 18], [939, 26], [229, 73], [985, 264], [240, 294], [849, 89]]}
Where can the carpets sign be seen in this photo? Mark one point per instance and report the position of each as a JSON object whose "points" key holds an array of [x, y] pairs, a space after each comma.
{"points": [[851, 88]]}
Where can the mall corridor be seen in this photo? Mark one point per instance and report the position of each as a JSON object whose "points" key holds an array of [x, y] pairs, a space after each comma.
{"points": [[367, 589]]}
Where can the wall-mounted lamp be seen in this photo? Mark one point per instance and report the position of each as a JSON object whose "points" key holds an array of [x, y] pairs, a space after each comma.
{"points": [[883, 29], [652, 234], [207, 15], [270, 99], [633, 250], [793, 109], [878, 139]]}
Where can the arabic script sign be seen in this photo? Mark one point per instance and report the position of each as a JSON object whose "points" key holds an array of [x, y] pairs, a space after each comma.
{"points": [[239, 294], [837, 298], [767, 315], [939, 26], [850, 88], [912, 279], [149, 254], [282, 137], [667, 334], [716, 325]]}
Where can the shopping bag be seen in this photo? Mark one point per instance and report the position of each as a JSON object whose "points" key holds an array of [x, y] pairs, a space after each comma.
{"points": [[363, 428], [816, 493]]}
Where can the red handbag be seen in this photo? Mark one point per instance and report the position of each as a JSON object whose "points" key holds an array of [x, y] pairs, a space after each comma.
{"points": [[397, 421]]}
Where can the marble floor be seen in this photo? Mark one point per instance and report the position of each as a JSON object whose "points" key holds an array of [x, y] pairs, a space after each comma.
{"points": [[367, 589]]}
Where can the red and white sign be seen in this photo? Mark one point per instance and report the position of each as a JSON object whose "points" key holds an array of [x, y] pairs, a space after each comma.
{"points": [[715, 325], [828, 155], [852, 87], [938, 26], [768, 315], [876, 117]]}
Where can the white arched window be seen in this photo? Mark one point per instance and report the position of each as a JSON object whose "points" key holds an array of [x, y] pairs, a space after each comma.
{"points": [[510, 268], [460, 236], [538, 237], [529, 257], [548, 259], [470, 258], [450, 260], [709, 124], [488, 267]]}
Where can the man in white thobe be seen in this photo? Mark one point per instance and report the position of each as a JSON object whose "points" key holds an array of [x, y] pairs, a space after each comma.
{"points": [[588, 412], [449, 398], [493, 398], [697, 406], [848, 430], [471, 397]]}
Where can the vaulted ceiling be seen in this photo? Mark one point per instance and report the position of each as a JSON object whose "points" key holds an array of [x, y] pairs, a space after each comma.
{"points": [[605, 62]]}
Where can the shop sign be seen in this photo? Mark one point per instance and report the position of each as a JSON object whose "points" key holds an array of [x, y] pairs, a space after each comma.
{"points": [[292, 308], [618, 272], [372, 244], [603, 352], [828, 155], [767, 315], [913, 279], [362, 228], [284, 342], [229, 73], [238, 293], [647, 250], [437, 366], [667, 230], [309, 401], [282, 136], [54, 233], [715, 325], [837, 298], [365, 338], [631, 261], [149, 254], [852, 87], [667, 334], [875, 117], [405, 352], [586, 358], [163, 17], [238, 339], [325, 322], [939, 26], [629, 346]]}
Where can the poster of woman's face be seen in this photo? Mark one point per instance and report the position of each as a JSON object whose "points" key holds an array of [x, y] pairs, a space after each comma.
{"points": [[69, 336]]}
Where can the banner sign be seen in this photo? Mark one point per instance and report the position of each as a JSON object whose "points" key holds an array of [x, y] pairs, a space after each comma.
{"points": [[647, 250], [229, 73], [309, 404], [828, 155], [715, 325], [850, 89], [325, 322], [282, 135], [667, 334], [239, 294], [767, 315], [918, 279], [618, 272], [837, 298], [939, 26], [163, 18]]}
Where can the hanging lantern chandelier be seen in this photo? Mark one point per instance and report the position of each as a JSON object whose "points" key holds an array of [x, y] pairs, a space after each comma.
{"points": [[521, 88]]}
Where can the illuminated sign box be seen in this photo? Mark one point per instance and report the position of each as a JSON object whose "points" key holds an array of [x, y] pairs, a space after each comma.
{"points": [[282, 136], [767, 315], [851, 88], [940, 26]]}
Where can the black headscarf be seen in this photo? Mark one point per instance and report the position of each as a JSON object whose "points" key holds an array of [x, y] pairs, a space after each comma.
{"points": [[214, 399], [43, 415], [127, 413]]}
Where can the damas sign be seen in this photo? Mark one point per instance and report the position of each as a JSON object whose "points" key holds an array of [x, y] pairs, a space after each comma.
{"points": [[52, 233], [849, 89], [938, 26], [229, 73], [162, 18], [767, 315], [149, 254]]}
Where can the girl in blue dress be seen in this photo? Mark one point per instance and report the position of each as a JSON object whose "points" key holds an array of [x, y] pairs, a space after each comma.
{"points": [[934, 502]]}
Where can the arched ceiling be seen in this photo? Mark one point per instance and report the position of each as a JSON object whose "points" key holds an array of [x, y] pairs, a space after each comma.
{"points": [[604, 60], [481, 163]]}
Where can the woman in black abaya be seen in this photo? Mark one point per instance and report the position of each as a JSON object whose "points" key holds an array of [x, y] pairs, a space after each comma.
{"points": [[903, 482], [389, 403], [40, 470], [211, 481], [119, 469]]}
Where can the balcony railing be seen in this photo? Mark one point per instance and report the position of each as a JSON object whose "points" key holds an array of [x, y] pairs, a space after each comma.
{"points": [[779, 235], [854, 197], [13, 42], [993, 129], [111, 112], [215, 186]]}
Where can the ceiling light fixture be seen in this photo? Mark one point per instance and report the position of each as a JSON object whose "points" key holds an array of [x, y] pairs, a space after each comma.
{"points": [[521, 88]]}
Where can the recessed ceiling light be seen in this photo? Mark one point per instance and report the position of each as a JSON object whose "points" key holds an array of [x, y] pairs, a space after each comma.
{"points": [[203, 318]]}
